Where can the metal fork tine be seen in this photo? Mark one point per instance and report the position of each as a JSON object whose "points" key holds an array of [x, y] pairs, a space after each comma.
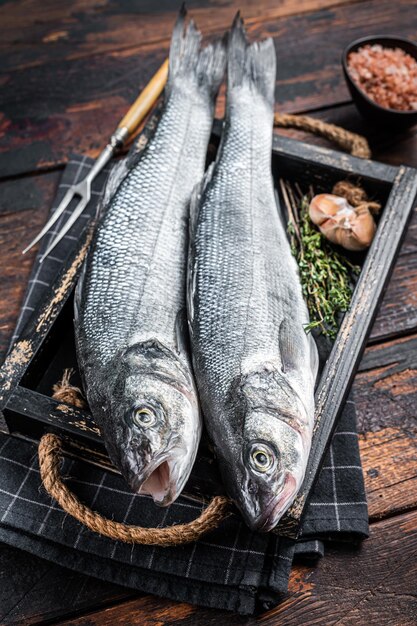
{"points": [[65, 228], [54, 217]]}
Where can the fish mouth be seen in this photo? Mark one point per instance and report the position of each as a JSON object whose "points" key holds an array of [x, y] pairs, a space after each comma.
{"points": [[158, 484], [162, 480], [277, 506]]}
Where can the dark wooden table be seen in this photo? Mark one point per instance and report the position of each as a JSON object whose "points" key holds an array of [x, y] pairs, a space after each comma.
{"points": [[69, 71]]}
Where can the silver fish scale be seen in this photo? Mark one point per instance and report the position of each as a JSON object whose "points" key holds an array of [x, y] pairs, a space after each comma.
{"points": [[134, 284], [246, 282]]}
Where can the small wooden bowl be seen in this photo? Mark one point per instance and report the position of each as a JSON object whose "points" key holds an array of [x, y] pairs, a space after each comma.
{"points": [[372, 111]]}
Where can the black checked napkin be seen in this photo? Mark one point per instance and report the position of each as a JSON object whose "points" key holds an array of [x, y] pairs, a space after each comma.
{"points": [[232, 568]]}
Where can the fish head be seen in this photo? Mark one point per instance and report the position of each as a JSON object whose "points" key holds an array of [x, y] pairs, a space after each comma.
{"points": [[264, 472], [273, 460], [155, 424]]}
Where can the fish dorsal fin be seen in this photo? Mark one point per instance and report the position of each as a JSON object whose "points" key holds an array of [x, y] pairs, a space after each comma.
{"points": [[196, 198], [194, 207], [117, 174], [77, 293], [144, 138], [181, 333]]}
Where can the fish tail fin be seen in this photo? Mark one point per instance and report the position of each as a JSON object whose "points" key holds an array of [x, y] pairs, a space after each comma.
{"points": [[188, 61], [253, 64]]}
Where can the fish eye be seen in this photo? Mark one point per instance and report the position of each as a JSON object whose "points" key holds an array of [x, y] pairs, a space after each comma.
{"points": [[261, 457], [143, 416]]}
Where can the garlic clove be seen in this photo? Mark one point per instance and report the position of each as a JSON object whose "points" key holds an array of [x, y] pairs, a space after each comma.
{"points": [[363, 229], [326, 205], [351, 227]]}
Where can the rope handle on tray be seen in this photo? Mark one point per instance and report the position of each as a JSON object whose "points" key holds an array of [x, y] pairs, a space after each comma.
{"points": [[50, 446], [50, 449], [356, 144]]}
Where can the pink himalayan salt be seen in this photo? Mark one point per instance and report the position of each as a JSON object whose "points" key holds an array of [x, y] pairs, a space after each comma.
{"points": [[387, 75]]}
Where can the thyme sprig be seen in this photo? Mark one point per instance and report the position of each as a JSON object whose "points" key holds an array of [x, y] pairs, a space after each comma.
{"points": [[326, 274]]}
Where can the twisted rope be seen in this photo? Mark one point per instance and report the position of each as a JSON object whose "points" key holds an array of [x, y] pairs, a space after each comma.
{"points": [[356, 196], [351, 142], [50, 450], [65, 392]]}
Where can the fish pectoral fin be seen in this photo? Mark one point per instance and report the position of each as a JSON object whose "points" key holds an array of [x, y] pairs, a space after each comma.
{"points": [[314, 356], [292, 353]]}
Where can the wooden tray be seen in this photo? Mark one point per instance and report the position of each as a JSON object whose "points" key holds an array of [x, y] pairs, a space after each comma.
{"points": [[46, 346]]}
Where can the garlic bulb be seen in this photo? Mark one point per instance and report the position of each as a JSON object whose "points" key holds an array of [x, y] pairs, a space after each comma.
{"points": [[351, 227]]}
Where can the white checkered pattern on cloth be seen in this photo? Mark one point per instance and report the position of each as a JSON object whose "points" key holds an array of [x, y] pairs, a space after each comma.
{"points": [[232, 568]]}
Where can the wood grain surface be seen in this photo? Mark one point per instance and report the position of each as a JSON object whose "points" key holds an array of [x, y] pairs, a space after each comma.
{"points": [[80, 28], [69, 72], [71, 104]]}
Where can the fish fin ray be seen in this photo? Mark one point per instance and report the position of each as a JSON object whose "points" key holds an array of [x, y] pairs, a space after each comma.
{"points": [[195, 203], [143, 139], [292, 355], [186, 60], [181, 333], [251, 64], [314, 356], [77, 293]]}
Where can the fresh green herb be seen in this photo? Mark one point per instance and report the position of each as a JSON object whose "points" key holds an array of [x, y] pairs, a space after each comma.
{"points": [[326, 274]]}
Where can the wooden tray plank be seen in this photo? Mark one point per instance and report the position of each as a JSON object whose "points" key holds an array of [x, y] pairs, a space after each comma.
{"points": [[69, 105]]}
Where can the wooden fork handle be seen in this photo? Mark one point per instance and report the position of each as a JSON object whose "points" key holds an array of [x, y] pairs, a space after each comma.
{"points": [[144, 102]]}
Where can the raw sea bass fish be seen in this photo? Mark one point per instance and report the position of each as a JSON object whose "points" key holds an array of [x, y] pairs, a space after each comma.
{"points": [[255, 366], [131, 327]]}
